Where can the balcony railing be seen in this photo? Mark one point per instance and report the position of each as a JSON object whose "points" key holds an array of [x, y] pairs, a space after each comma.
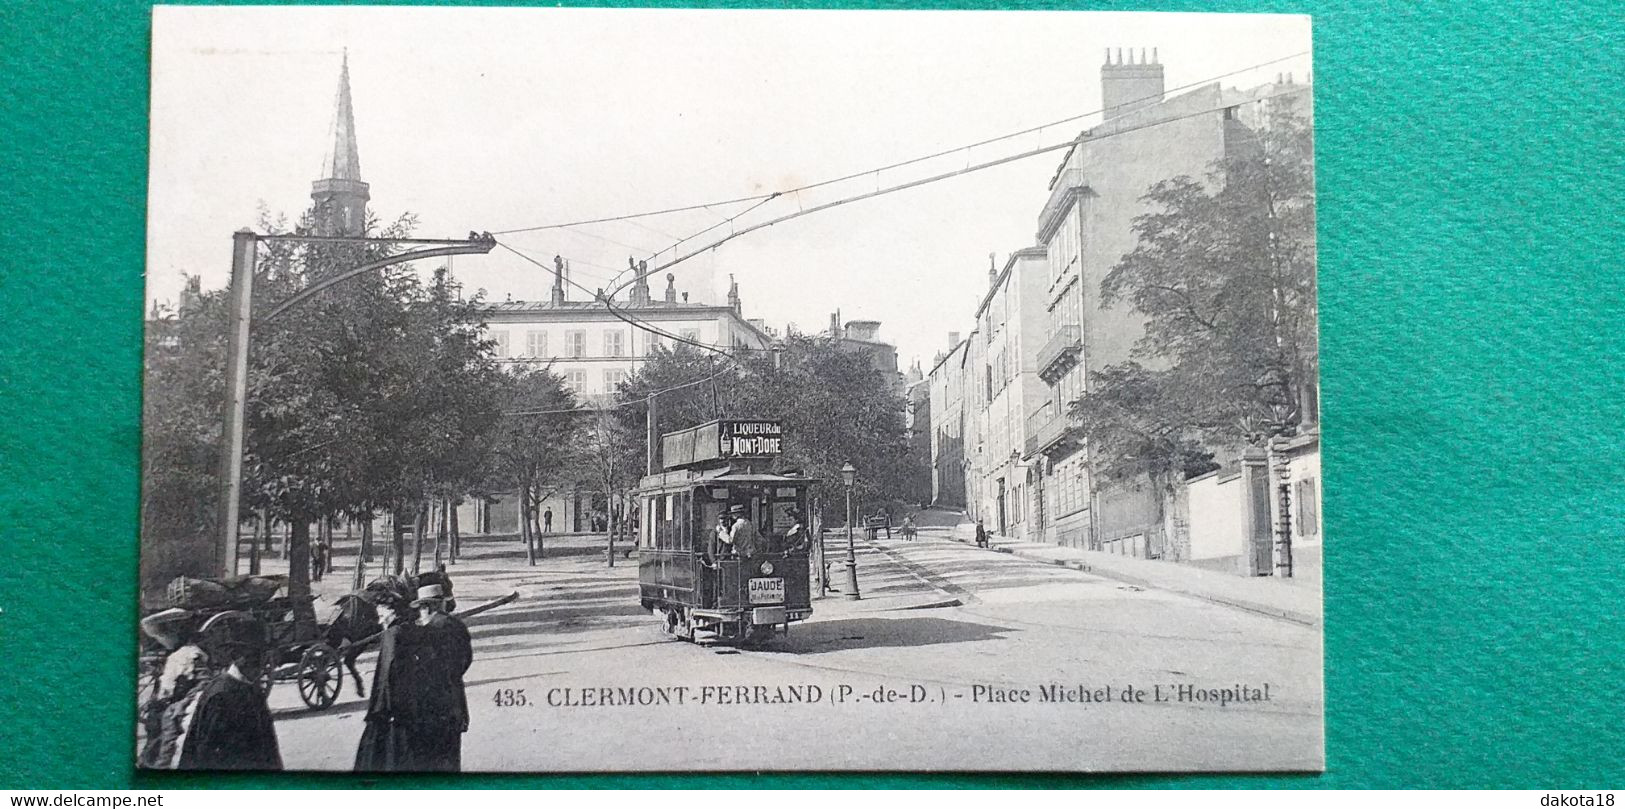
{"points": [[1045, 429], [1060, 353]]}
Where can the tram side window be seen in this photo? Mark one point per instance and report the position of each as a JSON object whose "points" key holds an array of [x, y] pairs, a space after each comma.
{"points": [[657, 514]]}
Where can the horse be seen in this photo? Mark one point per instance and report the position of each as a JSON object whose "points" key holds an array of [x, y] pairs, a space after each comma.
{"points": [[357, 620]]}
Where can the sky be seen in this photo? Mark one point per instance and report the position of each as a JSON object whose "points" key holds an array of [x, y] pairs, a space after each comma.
{"points": [[504, 119]]}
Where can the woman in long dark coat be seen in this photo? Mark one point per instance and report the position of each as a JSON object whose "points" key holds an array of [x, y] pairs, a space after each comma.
{"points": [[394, 709], [230, 726]]}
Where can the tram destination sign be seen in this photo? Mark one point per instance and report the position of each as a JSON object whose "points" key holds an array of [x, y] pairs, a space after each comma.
{"points": [[722, 440]]}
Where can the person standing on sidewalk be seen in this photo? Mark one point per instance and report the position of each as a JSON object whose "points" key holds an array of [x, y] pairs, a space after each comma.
{"points": [[547, 521], [230, 726], [447, 653], [399, 689], [981, 533]]}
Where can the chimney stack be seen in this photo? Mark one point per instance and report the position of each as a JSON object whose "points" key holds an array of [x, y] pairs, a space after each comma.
{"points": [[671, 288], [558, 281], [953, 340], [1128, 86], [835, 324], [992, 270]]}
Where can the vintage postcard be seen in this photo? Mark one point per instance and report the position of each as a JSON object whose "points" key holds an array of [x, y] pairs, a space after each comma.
{"points": [[650, 390]]}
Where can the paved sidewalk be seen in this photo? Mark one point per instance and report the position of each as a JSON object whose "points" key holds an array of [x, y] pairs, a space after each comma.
{"points": [[1295, 601]]}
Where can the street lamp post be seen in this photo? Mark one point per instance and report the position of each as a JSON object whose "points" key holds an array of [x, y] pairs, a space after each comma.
{"points": [[849, 476]]}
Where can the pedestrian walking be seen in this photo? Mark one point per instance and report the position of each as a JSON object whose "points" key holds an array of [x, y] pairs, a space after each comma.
{"points": [[981, 533], [230, 726], [547, 521], [447, 653]]}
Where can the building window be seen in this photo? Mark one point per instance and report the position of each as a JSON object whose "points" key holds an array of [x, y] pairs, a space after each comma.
{"points": [[615, 343], [651, 344], [575, 343], [576, 381], [612, 378], [535, 343], [502, 342]]}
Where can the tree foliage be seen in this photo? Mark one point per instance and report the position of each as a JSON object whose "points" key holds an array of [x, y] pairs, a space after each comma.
{"points": [[834, 406], [375, 394], [1224, 273]]}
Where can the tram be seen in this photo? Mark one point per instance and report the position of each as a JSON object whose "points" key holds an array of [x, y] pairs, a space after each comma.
{"points": [[724, 543]]}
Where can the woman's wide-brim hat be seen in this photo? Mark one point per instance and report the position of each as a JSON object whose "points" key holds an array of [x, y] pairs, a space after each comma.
{"points": [[736, 509], [389, 591]]}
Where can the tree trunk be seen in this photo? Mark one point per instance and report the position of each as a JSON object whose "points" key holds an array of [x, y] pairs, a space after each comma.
{"points": [[441, 532], [363, 556], [525, 533], [609, 521], [456, 536], [536, 527], [419, 524], [254, 547], [298, 547], [397, 547], [267, 524]]}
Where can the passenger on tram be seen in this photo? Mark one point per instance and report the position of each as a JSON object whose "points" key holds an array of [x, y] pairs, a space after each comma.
{"points": [[742, 536]]}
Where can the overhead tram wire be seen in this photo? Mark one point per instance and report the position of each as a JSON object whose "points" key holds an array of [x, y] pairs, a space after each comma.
{"points": [[1074, 142], [866, 172]]}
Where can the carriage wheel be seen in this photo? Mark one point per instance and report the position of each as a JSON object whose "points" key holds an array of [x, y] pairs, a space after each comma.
{"points": [[320, 675]]}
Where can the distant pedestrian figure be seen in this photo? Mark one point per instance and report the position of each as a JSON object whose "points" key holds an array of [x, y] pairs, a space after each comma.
{"points": [[318, 558], [547, 521], [981, 533], [230, 726]]}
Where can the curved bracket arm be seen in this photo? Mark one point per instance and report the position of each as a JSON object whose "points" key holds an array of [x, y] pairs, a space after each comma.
{"points": [[460, 249]]}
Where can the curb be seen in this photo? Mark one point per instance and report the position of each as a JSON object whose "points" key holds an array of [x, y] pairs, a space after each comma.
{"points": [[1282, 613]]}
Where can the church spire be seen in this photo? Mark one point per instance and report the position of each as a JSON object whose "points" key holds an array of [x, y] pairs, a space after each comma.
{"points": [[341, 197]]}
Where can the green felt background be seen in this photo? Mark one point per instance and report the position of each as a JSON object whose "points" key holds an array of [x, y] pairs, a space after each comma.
{"points": [[1469, 171]]}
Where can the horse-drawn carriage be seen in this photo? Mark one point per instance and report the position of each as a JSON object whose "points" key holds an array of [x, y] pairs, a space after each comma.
{"points": [[296, 647]]}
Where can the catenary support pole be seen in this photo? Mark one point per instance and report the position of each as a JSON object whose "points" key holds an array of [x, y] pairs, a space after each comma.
{"points": [[650, 436], [241, 296]]}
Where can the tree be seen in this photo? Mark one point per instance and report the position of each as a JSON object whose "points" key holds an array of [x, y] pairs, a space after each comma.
{"points": [[693, 384], [533, 446], [1224, 272], [834, 406], [612, 453], [379, 392], [180, 453]]}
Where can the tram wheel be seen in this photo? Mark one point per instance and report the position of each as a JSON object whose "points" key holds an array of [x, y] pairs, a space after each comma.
{"points": [[758, 635]]}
